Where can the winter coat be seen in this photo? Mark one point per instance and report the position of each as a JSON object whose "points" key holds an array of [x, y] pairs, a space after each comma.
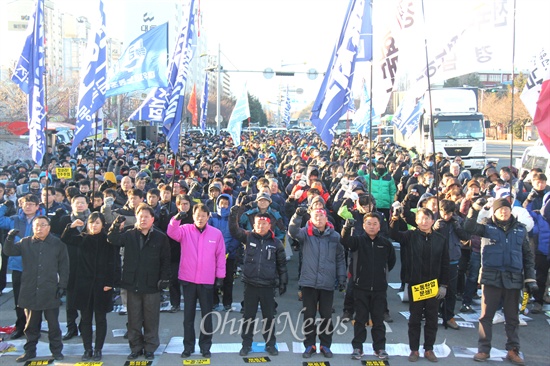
{"points": [[454, 232], [95, 269], [46, 264], [323, 255], [220, 220], [506, 257], [382, 188], [202, 253], [264, 262], [415, 241], [143, 268], [372, 260]]}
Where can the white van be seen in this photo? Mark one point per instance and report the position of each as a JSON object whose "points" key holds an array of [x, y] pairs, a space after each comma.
{"points": [[536, 156]]}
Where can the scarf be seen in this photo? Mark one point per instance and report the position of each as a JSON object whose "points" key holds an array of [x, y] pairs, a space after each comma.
{"points": [[83, 216]]}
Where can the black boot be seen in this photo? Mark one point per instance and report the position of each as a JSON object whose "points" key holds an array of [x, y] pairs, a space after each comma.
{"points": [[87, 356], [71, 333], [97, 355]]}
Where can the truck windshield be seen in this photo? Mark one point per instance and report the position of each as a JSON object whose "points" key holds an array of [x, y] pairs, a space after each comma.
{"points": [[458, 129]]}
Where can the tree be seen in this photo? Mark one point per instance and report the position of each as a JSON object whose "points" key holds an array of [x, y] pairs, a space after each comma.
{"points": [[13, 102], [471, 79], [257, 114]]}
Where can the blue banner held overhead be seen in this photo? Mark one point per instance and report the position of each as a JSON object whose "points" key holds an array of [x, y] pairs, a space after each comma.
{"points": [[407, 116], [29, 76], [334, 96], [204, 104], [93, 85], [143, 63], [361, 119]]}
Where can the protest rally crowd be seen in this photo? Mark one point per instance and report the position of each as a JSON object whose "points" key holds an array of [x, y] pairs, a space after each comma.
{"points": [[135, 220]]}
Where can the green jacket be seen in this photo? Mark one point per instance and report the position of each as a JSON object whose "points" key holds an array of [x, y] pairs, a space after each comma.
{"points": [[383, 189]]}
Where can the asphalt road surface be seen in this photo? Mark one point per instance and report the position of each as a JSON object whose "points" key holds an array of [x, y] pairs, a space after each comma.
{"points": [[501, 150], [535, 338]]}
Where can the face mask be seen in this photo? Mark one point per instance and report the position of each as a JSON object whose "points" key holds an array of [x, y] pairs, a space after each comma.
{"points": [[141, 156], [97, 167], [430, 181], [136, 162], [430, 163], [380, 171], [405, 173]]}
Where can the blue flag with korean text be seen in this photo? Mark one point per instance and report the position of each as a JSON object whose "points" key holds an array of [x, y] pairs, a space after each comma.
{"points": [[334, 96], [239, 114], [91, 94], [29, 76], [286, 115], [204, 104], [407, 116], [143, 63], [361, 119]]}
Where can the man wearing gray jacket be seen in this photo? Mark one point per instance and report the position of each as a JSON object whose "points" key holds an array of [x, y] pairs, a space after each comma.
{"points": [[43, 283], [323, 264]]}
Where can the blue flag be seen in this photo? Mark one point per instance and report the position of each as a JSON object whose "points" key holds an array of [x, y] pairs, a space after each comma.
{"points": [[351, 105], [407, 116], [239, 114], [204, 104], [361, 119], [29, 76], [177, 78], [286, 115], [91, 95], [335, 93], [152, 108], [143, 63]]}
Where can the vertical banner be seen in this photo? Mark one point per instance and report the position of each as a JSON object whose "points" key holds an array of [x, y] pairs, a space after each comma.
{"points": [[204, 104], [192, 106], [239, 114], [29, 76]]}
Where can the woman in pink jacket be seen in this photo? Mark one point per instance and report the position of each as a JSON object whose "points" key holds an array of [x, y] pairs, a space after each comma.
{"points": [[202, 267]]}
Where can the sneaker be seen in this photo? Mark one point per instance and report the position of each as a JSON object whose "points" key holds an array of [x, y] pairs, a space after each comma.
{"points": [[245, 350], [413, 357], [451, 323], [149, 355], [382, 354], [430, 356], [174, 309], [536, 309], [218, 307], [346, 317], [123, 310], [310, 350], [357, 354], [514, 357], [326, 352], [387, 317], [271, 350], [467, 309], [481, 357]]}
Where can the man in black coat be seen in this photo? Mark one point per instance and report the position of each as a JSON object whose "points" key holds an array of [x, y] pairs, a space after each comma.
{"points": [[373, 257], [43, 283], [145, 272]]}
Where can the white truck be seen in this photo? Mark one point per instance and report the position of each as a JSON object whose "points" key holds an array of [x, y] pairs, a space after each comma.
{"points": [[459, 129]]}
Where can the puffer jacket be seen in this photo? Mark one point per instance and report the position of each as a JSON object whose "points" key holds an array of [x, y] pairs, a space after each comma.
{"points": [[506, 257], [323, 255], [220, 220], [264, 262], [383, 189]]}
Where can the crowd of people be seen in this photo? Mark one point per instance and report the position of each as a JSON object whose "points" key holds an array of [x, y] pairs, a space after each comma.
{"points": [[140, 219]]}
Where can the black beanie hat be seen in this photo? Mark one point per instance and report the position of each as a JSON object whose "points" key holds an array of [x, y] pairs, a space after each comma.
{"points": [[501, 202]]}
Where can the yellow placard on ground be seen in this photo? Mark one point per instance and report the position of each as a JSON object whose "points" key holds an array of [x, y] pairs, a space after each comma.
{"points": [[256, 359], [202, 361], [424, 291], [89, 363], [39, 362], [65, 173]]}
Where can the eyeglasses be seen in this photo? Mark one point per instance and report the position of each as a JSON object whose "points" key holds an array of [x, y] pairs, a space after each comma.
{"points": [[41, 225]]}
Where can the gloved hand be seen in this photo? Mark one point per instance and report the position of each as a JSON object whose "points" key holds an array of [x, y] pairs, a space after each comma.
{"points": [[60, 293], [441, 293], [342, 286], [353, 196], [524, 174], [219, 283], [532, 195], [12, 234], [9, 204], [301, 211], [119, 220], [59, 212], [164, 211], [531, 287], [302, 183], [282, 289], [349, 223], [298, 194], [479, 203], [109, 201], [163, 284], [181, 216], [234, 209]]}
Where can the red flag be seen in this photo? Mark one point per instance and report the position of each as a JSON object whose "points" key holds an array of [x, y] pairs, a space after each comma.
{"points": [[542, 114], [192, 106]]}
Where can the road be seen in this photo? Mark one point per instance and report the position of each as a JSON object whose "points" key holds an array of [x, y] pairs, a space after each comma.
{"points": [[535, 340], [501, 150]]}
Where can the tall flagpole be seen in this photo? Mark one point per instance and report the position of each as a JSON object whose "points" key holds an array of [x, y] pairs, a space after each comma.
{"points": [[513, 87], [370, 131], [45, 81], [421, 128], [96, 114]]}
